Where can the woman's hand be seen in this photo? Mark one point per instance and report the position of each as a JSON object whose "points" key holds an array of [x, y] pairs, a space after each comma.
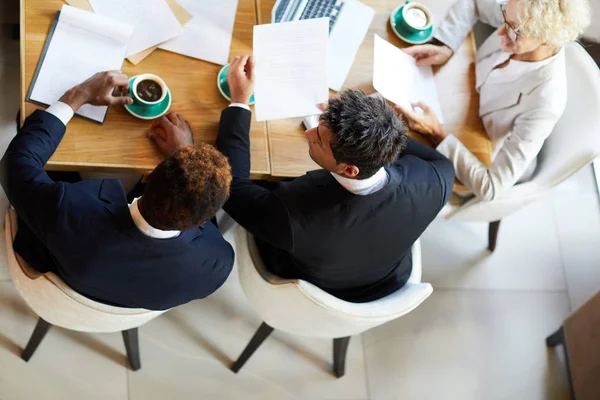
{"points": [[426, 123], [430, 54]]}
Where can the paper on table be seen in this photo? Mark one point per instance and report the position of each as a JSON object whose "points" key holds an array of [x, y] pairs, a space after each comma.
{"points": [[208, 35], [153, 20], [398, 79], [83, 43], [180, 13], [291, 68]]}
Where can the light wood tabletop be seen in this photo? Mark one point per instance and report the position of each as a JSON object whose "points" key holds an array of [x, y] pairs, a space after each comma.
{"points": [[120, 143], [455, 82]]}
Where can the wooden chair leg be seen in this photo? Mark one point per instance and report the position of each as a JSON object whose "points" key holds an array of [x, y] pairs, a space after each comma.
{"points": [[340, 349], [261, 334], [556, 338], [132, 346], [41, 328], [493, 235]]}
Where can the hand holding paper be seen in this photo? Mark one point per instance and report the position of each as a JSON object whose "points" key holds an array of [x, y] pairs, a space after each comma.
{"points": [[397, 78]]}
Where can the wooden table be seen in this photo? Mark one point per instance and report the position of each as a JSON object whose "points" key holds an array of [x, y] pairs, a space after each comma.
{"points": [[455, 82], [120, 144]]}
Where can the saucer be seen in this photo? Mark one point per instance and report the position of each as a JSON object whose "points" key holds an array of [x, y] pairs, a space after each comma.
{"points": [[409, 37], [223, 85], [149, 112]]}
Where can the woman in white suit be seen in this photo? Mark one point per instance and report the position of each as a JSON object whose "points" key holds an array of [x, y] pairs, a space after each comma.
{"points": [[521, 79]]}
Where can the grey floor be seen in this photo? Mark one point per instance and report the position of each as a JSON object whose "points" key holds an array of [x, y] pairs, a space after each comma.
{"points": [[480, 335]]}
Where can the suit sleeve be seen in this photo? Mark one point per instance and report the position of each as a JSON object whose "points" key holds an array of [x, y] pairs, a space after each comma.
{"points": [[461, 18], [28, 187], [520, 148], [260, 211], [441, 165]]}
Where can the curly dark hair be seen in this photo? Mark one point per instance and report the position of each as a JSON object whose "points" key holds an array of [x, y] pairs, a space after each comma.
{"points": [[187, 189], [366, 132]]}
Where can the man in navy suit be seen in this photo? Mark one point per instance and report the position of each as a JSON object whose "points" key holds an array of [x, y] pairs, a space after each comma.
{"points": [[348, 228], [156, 253]]}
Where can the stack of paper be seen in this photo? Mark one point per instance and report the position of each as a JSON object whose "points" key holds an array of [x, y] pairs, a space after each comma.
{"points": [[79, 45], [291, 68], [153, 20], [397, 78], [208, 35]]}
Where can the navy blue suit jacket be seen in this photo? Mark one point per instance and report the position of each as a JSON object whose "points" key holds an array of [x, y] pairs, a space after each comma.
{"points": [[85, 234]]}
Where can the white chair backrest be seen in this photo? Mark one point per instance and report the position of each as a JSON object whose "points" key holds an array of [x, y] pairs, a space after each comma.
{"points": [[298, 307], [574, 143], [51, 299]]}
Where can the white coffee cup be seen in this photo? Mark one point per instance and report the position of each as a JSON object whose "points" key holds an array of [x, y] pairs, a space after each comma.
{"points": [[152, 77], [417, 16]]}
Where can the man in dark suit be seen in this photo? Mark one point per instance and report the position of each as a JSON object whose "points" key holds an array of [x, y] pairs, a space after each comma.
{"points": [[158, 252], [349, 227]]}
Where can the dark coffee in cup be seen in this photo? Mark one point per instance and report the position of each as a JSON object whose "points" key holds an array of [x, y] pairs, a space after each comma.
{"points": [[149, 90]]}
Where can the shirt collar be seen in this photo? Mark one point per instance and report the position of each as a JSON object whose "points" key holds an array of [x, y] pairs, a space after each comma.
{"points": [[145, 227], [363, 187]]}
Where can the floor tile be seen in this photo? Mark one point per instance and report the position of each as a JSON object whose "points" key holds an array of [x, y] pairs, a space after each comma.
{"points": [[217, 329], [178, 375], [470, 346], [67, 365], [527, 256], [578, 219]]}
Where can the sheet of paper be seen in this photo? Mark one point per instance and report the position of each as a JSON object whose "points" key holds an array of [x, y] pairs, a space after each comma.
{"points": [[291, 68], [182, 15], [153, 20], [208, 35], [83, 43], [398, 79]]}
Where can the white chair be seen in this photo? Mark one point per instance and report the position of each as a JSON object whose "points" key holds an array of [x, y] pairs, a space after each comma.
{"points": [[300, 308], [574, 144], [57, 304]]}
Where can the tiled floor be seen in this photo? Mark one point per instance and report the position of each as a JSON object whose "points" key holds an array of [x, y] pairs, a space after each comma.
{"points": [[480, 335]]}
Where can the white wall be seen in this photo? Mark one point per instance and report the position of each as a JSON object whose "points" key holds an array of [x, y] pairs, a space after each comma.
{"points": [[593, 31]]}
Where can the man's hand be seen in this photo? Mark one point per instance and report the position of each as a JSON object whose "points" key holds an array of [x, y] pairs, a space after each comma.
{"points": [[102, 89], [170, 133], [240, 77], [429, 54], [426, 123]]}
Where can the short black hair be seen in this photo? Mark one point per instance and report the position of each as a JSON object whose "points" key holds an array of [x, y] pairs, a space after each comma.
{"points": [[366, 131], [187, 189]]}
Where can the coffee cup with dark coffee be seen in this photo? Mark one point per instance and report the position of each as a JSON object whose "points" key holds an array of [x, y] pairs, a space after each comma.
{"points": [[148, 89]]}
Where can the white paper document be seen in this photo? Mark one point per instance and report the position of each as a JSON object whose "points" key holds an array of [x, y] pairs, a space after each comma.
{"points": [[208, 35], [82, 44], [398, 79], [291, 68], [153, 20]]}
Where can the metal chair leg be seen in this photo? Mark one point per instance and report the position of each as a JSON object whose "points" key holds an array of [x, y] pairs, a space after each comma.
{"points": [[132, 346], [41, 328], [259, 337], [556, 338], [340, 349], [493, 235]]}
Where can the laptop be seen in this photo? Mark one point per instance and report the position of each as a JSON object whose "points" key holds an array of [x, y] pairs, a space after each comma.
{"points": [[349, 22]]}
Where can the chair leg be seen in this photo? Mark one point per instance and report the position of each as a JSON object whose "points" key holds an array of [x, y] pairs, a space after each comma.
{"points": [[132, 346], [261, 334], [556, 338], [493, 235], [41, 328], [340, 348]]}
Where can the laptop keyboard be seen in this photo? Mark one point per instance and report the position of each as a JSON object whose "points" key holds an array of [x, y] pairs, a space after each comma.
{"points": [[323, 8]]}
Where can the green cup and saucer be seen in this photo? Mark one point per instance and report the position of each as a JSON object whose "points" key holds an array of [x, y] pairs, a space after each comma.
{"points": [[412, 22], [223, 85], [144, 109]]}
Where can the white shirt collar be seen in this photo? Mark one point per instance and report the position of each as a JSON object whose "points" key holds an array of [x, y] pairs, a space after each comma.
{"points": [[363, 187], [145, 227]]}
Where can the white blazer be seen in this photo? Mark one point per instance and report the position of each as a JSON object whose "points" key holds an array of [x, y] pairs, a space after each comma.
{"points": [[519, 104]]}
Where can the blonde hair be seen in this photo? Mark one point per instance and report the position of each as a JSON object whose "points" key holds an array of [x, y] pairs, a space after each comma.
{"points": [[555, 22]]}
